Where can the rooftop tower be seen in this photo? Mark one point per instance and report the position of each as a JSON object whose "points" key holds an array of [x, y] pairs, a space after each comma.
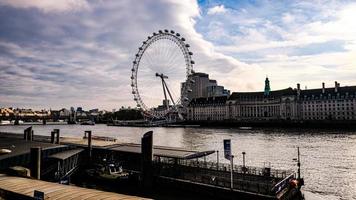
{"points": [[267, 87]]}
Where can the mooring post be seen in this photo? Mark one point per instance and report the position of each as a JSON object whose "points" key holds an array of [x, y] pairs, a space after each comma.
{"points": [[27, 133], [52, 137], [89, 143], [146, 159], [243, 162], [57, 135], [35, 162]]}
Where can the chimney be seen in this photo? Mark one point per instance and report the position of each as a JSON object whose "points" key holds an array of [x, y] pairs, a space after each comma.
{"points": [[298, 88], [336, 86], [323, 88]]}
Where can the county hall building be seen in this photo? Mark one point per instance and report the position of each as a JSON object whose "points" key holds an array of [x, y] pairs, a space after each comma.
{"points": [[336, 103]]}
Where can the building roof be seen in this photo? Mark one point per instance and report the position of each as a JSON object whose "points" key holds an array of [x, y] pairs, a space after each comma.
{"points": [[249, 95], [21, 185], [350, 90], [209, 100], [200, 74]]}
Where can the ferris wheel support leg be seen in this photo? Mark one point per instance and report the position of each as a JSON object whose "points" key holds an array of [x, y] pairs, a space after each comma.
{"points": [[169, 93], [164, 91]]}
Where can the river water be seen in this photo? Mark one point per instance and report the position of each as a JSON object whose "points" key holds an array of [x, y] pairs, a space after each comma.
{"points": [[328, 158]]}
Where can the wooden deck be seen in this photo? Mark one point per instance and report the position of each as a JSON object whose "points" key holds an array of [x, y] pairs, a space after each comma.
{"points": [[26, 187]]}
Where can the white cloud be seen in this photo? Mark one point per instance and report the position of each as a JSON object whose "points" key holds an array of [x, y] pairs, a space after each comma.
{"points": [[287, 18], [65, 56], [216, 10], [278, 42], [48, 5]]}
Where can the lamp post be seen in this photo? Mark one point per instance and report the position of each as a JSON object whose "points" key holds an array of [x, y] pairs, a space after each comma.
{"points": [[217, 160], [243, 160], [232, 170]]}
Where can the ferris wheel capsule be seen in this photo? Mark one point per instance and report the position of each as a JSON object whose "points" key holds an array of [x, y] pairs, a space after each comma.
{"points": [[160, 31], [172, 31], [177, 34], [165, 30], [183, 39]]}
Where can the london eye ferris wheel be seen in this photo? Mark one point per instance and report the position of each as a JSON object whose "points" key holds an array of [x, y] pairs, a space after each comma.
{"points": [[161, 75]]}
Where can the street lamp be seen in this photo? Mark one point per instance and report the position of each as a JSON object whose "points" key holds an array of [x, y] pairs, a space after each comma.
{"points": [[243, 162]]}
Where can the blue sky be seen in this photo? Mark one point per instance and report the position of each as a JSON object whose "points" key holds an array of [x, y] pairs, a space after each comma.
{"points": [[79, 53]]}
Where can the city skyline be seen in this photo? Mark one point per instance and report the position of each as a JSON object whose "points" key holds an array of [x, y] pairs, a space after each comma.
{"points": [[80, 53]]}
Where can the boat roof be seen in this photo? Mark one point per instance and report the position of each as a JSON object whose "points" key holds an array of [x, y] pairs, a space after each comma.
{"points": [[160, 151], [20, 146], [65, 154]]}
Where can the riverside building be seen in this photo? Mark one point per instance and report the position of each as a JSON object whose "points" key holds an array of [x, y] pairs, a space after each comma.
{"points": [[336, 103]]}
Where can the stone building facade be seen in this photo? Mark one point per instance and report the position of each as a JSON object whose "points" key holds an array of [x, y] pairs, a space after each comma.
{"points": [[336, 103]]}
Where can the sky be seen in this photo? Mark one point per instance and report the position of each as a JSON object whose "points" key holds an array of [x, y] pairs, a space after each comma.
{"points": [[64, 53]]}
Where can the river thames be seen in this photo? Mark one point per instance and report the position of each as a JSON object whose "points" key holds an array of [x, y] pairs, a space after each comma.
{"points": [[328, 158]]}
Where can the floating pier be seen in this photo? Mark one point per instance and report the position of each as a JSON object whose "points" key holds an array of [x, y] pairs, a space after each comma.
{"points": [[156, 167]]}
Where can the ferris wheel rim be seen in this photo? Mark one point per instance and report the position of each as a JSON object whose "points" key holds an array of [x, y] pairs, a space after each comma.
{"points": [[184, 48]]}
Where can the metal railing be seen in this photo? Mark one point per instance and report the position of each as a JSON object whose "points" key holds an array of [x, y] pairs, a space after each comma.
{"points": [[252, 179]]}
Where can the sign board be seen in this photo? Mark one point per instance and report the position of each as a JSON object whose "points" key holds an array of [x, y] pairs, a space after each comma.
{"points": [[38, 195], [227, 149]]}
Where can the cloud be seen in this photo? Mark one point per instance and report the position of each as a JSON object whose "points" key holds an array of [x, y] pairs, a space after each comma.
{"points": [[303, 41], [53, 57], [48, 6], [216, 10], [84, 58]]}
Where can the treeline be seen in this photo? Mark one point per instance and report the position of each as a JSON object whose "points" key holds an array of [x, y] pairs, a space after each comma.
{"points": [[127, 114]]}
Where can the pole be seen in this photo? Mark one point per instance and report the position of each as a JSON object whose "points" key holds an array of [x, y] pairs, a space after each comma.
{"points": [[231, 170], [217, 160], [52, 137], [298, 164], [243, 160], [57, 135], [89, 143], [35, 162]]}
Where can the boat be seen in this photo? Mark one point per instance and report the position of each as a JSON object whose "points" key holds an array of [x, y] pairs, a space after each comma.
{"points": [[245, 128], [91, 123], [5, 151], [5, 122], [108, 172]]}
